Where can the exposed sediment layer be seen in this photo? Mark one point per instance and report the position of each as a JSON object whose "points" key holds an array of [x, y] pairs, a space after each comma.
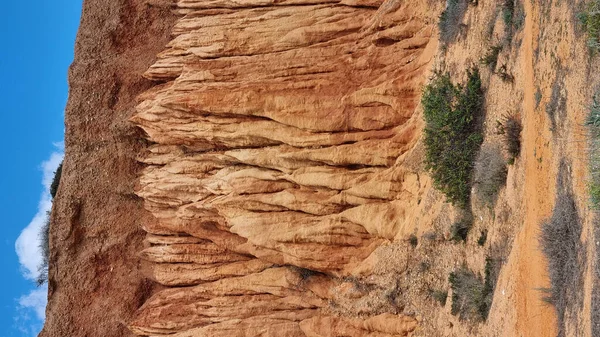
{"points": [[280, 131]]}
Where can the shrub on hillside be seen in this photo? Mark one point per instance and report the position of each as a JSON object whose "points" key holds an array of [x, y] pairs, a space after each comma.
{"points": [[593, 124], [56, 180], [561, 244], [439, 296], [490, 174], [452, 136], [44, 237], [491, 58], [590, 19], [469, 297], [460, 229], [450, 19]]}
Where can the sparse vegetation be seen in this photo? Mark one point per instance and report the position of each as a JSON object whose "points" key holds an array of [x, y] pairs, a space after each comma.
{"points": [[490, 174], [471, 298], [505, 76], [450, 19], [412, 239], [452, 136], [56, 180], [460, 229], [508, 11], [491, 58], [439, 296], [510, 127], [590, 19], [482, 238], [431, 236], [44, 245], [560, 243], [538, 97], [593, 124]]}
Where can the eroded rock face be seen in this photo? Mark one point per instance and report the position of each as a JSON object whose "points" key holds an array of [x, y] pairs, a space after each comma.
{"points": [[280, 137]]}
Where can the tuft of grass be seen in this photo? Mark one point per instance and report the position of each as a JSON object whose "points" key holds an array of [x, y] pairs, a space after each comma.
{"points": [[439, 296], [412, 239], [508, 11], [510, 127], [460, 229], [490, 174], [593, 125], [452, 133], [44, 237], [560, 242], [538, 97], [469, 295], [56, 180], [482, 238], [491, 58], [590, 20], [450, 20]]}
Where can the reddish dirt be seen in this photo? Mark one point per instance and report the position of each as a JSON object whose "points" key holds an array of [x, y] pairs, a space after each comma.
{"points": [[95, 227]]}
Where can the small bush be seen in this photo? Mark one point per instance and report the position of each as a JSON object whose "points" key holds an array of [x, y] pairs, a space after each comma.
{"points": [[460, 229], [44, 245], [508, 11], [439, 296], [491, 58], [56, 180], [590, 19], [538, 97], [482, 238], [490, 174], [593, 124], [431, 236], [510, 127], [413, 240], [452, 133], [450, 19], [560, 243], [470, 296]]}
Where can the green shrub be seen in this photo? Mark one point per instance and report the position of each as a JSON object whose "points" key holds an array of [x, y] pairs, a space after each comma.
{"points": [[56, 180], [508, 11], [452, 133], [44, 245], [450, 19], [590, 19], [491, 58], [490, 174]]}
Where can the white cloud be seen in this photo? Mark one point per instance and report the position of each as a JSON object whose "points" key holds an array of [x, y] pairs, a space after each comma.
{"points": [[30, 313], [36, 301], [27, 244], [32, 306]]}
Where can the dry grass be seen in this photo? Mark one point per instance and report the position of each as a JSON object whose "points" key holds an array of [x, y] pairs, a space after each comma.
{"points": [[561, 244], [490, 174]]}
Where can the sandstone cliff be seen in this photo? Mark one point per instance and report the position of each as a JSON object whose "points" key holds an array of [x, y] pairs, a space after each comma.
{"points": [[280, 132]]}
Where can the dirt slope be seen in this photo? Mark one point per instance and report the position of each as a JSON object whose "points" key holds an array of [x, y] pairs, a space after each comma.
{"points": [[95, 283]]}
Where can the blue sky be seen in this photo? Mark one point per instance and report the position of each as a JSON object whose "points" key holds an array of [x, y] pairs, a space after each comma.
{"points": [[37, 48]]}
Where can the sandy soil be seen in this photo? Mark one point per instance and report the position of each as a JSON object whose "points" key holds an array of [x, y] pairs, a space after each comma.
{"points": [[95, 282]]}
